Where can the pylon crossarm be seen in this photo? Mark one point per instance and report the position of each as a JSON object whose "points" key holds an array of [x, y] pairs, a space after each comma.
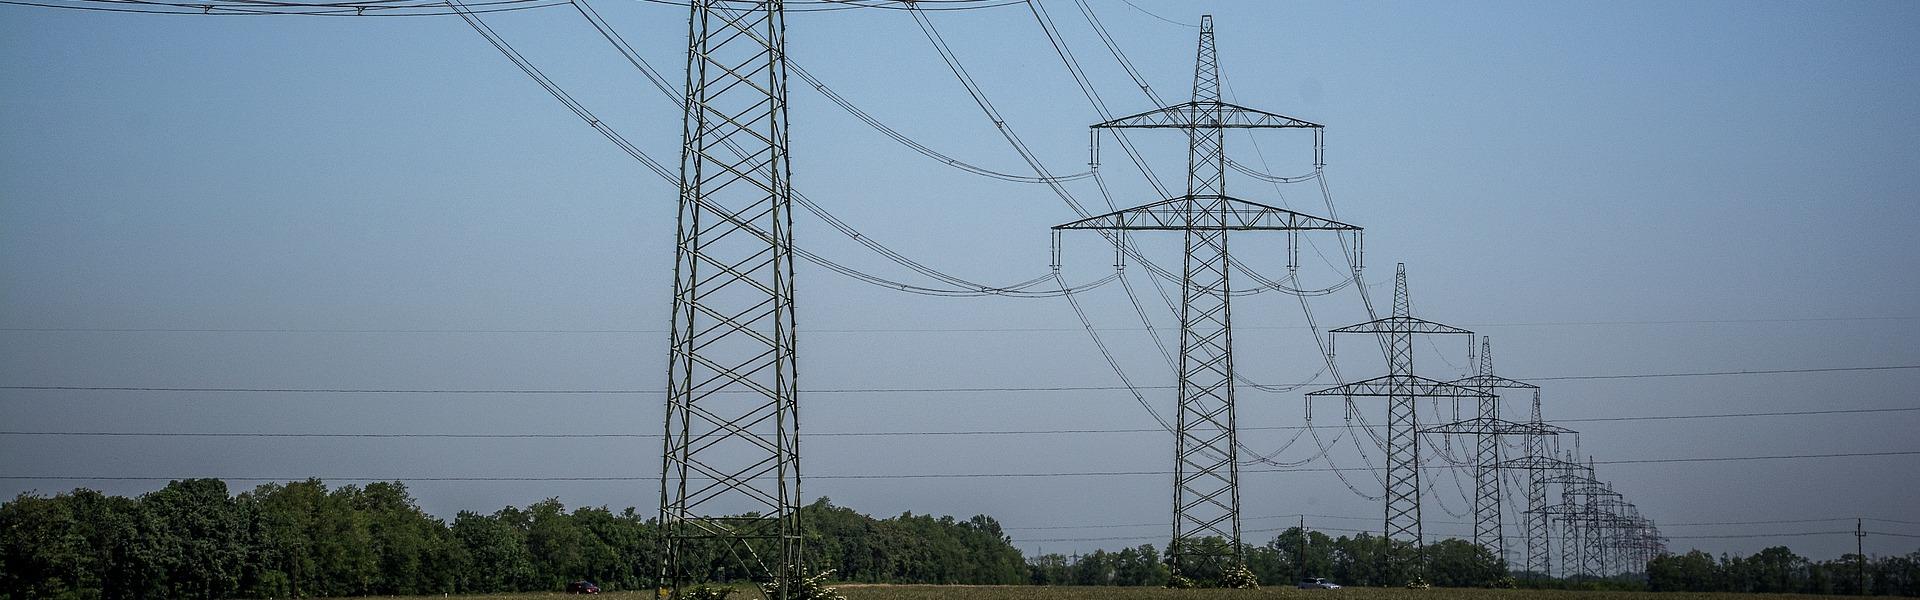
{"points": [[1535, 462], [1572, 480], [1400, 325], [1178, 214], [1205, 114], [1400, 385], [1488, 426], [1591, 490], [1492, 381]]}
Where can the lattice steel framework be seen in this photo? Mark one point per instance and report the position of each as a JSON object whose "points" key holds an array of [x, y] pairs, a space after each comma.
{"points": [[1537, 530], [730, 467], [1402, 389], [1487, 427], [1206, 493], [1539, 551]]}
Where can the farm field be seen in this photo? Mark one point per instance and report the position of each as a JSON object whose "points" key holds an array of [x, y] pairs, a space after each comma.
{"points": [[952, 592]]}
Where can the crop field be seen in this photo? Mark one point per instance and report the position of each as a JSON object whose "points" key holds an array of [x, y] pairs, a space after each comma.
{"points": [[952, 592]]}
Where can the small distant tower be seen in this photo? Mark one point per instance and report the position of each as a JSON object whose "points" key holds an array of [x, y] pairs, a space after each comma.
{"points": [[1488, 428]]}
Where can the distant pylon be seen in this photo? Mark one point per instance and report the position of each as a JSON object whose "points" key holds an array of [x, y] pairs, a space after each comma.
{"points": [[1206, 492], [1487, 427], [1402, 389], [1537, 530], [730, 466]]}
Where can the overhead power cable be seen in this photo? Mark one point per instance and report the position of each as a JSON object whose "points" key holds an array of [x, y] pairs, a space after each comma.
{"points": [[1157, 16], [425, 8], [1755, 535], [899, 476], [293, 390], [862, 433], [1019, 330], [367, 8], [961, 287]]}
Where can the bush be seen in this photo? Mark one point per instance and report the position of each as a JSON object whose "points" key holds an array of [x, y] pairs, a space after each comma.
{"points": [[1239, 578], [810, 588]]}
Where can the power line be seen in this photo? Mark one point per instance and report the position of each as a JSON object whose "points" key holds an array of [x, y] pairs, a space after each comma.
{"points": [[1376, 518], [859, 390], [934, 475], [1755, 535], [1345, 530], [977, 432], [1720, 373], [1021, 330], [384, 8], [1771, 522]]}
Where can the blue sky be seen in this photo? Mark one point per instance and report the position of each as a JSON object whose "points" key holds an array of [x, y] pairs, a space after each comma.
{"points": [[1721, 186]]}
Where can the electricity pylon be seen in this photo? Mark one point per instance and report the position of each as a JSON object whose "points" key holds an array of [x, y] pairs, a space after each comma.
{"points": [[1537, 463], [1572, 545], [1206, 480], [1537, 529], [1402, 389], [730, 466], [1488, 428]]}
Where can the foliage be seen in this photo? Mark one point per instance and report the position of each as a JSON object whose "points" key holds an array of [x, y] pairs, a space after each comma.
{"points": [[1239, 578], [707, 592], [193, 540], [1137, 566], [809, 588], [1779, 570]]}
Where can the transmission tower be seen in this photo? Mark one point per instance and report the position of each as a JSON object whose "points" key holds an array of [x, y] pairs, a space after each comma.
{"points": [[1402, 389], [1537, 463], [1488, 428], [730, 467], [1206, 493], [1572, 544], [1538, 560]]}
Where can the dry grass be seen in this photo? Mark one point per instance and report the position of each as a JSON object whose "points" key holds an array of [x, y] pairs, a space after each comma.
{"points": [[955, 592], [931, 592]]}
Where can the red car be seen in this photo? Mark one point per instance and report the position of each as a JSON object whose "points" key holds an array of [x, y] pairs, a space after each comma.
{"points": [[582, 587]]}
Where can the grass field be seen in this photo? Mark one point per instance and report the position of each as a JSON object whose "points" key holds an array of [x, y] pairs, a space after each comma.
{"points": [[948, 592]]}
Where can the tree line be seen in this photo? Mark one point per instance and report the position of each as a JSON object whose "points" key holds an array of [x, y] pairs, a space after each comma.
{"points": [[194, 540], [1356, 561], [1779, 570]]}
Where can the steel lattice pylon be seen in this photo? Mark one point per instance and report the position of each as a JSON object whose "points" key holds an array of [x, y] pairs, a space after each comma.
{"points": [[730, 466], [1402, 389], [1538, 559], [1488, 427], [1539, 513], [1206, 494]]}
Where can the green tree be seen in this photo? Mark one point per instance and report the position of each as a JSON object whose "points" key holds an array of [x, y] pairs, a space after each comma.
{"points": [[1459, 563], [497, 552], [1694, 571], [200, 537]]}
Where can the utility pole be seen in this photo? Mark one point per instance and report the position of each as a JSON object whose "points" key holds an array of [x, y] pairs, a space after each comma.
{"points": [[1860, 552], [1402, 389], [1206, 480], [1303, 547], [730, 465]]}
